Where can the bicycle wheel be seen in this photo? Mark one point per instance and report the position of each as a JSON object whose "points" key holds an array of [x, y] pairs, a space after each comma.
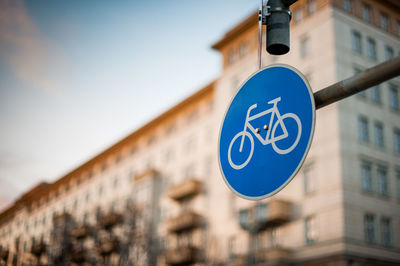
{"points": [[240, 166], [291, 147]]}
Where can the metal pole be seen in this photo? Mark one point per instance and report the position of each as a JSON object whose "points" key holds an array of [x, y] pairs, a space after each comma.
{"points": [[359, 82]]}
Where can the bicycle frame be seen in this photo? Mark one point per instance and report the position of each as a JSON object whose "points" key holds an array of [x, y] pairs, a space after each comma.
{"points": [[275, 112]]}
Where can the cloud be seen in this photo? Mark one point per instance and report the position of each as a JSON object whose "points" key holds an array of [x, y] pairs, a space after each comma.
{"points": [[37, 61]]}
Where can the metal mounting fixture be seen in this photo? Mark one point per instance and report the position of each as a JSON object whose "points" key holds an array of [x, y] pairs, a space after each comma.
{"points": [[275, 14], [359, 82]]}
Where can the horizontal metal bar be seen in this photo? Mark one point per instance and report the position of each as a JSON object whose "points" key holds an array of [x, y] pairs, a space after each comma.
{"points": [[359, 82]]}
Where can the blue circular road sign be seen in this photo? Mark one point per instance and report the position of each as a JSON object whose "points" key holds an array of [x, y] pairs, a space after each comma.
{"points": [[266, 132]]}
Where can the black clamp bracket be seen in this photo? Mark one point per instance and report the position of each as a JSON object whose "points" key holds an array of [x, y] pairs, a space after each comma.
{"points": [[267, 10]]}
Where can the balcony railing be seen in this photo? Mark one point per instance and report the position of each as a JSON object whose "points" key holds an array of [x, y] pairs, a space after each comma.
{"points": [[109, 220], [108, 246], [181, 255], [4, 253], [187, 188], [239, 260], [78, 254], [81, 231], [279, 211], [62, 218], [274, 254], [185, 221], [38, 249], [264, 215]]}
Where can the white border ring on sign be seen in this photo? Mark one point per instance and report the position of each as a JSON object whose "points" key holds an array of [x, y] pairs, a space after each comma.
{"points": [[308, 144]]}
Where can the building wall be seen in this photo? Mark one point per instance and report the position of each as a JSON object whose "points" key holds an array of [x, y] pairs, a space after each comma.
{"points": [[354, 152]]}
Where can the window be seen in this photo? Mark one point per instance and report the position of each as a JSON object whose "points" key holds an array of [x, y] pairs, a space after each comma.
{"points": [[356, 42], [235, 85], [394, 97], [378, 132], [231, 57], [171, 128], [347, 5], [398, 28], [366, 176], [210, 105], [115, 183], [310, 230], [244, 217], [168, 154], [371, 48], [75, 204], [118, 158], [243, 49], [151, 140], [363, 93], [304, 47], [366, 12], [261, 212], [189, 171], [396, 141], [208, 166], [190, 144], [275, 237], [309, 180], [231, 254], [369, 228], [298, 14], [376, 94], [311, 7], [383, 186], [398, 182], [386, 231], [363, 133], [85, 218], [389, 53], [232, 205], [309, 77], [384, 22], [150, 162], [192, 116]]}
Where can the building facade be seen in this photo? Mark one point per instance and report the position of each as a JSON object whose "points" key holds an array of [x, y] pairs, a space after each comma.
{"points": [[157, 197]]}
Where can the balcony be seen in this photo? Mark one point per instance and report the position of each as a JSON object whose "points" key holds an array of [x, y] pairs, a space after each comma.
{"points": [[274, 254], [185, 221], [264, 215], [239, 260], [80, 232], [108, 246], [4, 252], [38, 249], [182, 255], [279, 212], [109, 220], [78, 254], [62, 218], [186, 189]]}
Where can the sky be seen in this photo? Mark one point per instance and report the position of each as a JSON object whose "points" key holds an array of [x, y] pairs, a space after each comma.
{"points": [[77, 76]]}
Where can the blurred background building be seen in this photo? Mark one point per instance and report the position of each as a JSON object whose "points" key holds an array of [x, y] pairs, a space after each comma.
{"points": [[157, 198]]}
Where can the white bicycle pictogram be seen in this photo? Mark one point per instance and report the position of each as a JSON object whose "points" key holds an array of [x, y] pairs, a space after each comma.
{"points": [[270, 137]]}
